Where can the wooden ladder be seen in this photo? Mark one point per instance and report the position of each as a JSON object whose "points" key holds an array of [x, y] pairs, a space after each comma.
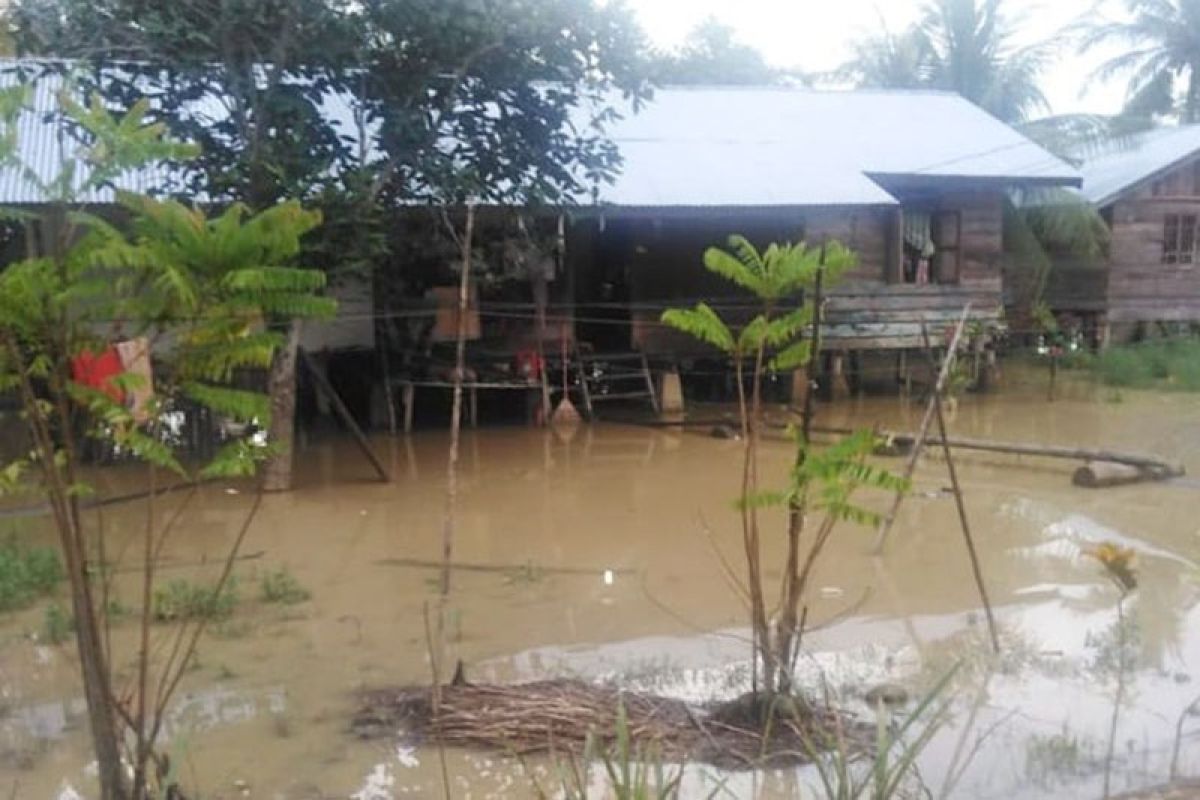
{"points": [[605, 377]]}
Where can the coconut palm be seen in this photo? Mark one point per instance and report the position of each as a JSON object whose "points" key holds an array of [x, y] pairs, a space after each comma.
{"points": [[1164, 41], [963, 46]]}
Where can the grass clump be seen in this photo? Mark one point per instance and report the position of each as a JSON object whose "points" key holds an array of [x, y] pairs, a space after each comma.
{"points": [[57, 624], [27, 573], [1151, 364], [183, 600], [281, 586]]}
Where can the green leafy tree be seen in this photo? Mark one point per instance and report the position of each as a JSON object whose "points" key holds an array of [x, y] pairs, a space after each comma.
{"points": [[363, 107], [712, 55], [199, 291], [782, 336]]}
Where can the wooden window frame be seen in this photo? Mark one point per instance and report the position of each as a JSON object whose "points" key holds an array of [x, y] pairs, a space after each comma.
{"points": [[1179, 243], [947, 250]]}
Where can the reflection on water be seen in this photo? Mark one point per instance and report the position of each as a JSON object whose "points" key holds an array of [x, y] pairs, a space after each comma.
{"points": [[599, 556]]}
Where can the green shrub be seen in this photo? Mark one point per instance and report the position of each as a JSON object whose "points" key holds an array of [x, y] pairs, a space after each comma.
{"points": [[181, 600], [1157, 363], [26, 574], [57, 624], [281, 586]]}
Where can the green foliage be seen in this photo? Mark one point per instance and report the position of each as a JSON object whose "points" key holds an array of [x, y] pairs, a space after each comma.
{"points": [[57, 624], [773, 275], [1170, 364], [963, 46], [212, 287], [820, 481], [827, 479], [281, 586], [27, 573], [1158, 52], [182, 600], [712, 56], [1056, 756], [634, 770], [893, 762]]}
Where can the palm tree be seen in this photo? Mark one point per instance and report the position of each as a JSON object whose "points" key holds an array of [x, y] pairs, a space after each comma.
{"points": [[1164, 37], [890, 61], [962, 46]]}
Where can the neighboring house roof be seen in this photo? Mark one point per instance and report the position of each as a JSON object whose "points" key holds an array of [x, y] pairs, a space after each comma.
{"points": [[43, 152], [1134, 160], [777, 146], [698, 146]]}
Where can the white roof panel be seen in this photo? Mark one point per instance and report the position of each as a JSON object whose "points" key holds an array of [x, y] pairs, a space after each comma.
{"points": [[732, 146], [696, 146], [1133, 160]]}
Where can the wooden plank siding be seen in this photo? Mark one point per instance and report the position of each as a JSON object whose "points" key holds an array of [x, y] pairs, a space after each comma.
{"points": [[1141, 288], [869, 309], [1131, 284]]}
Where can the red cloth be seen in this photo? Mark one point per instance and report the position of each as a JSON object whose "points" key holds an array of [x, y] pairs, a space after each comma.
{"points": [[97, 371]]}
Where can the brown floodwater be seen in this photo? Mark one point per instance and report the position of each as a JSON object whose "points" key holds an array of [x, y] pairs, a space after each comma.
{"points": [[605, 553]]}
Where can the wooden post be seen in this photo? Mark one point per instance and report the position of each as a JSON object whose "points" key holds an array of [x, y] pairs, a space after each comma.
{"points": [[893, 260], [885, 525], [838, 386], [671, 391], [958, 500], [460, 359], [360, 438]]}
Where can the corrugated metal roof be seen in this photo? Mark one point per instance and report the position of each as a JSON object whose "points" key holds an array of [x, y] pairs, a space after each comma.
{"points": [[699, 146], [43, 151], [1135, 159], [777, 146]]}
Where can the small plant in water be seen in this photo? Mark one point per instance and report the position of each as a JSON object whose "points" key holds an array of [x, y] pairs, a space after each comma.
{"points": [[1118, 568], [634, 770], [1055, 756], [57, 625], [27, 573], [891, 762], [281, 586], [183, 600], [786, 282]]}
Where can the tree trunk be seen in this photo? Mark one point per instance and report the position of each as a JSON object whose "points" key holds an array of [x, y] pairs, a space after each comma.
{"points": [[281, 386], [94, 670]]}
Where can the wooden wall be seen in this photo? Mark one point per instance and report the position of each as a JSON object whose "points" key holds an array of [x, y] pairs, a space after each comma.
{"points": [[869, 309], [869, 312], [1141, 288]]}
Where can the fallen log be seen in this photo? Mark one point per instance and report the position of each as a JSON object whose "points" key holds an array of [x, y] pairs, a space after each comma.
{"points": [[1102, 474], [1148, 467]]}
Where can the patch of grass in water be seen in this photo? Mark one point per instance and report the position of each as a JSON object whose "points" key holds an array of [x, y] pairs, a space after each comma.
{"points": [[1049, 758], [57, 624], [1153, 364], [281, 586], [181, 599], [27, 573]]}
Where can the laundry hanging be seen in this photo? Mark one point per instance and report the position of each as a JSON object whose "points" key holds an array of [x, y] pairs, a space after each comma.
{"points": [[97, 370], [135, 358]]}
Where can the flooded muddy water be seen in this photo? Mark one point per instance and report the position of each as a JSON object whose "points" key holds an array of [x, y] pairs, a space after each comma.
{"points": [[599, 556]]}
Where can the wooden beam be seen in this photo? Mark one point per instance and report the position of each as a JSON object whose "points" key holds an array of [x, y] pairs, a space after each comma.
{"points": [[323, 386], [885, 525]]}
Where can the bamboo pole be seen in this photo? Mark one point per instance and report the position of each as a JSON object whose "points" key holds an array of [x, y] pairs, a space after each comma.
{"points": [[976, 570], [885, 525], [460, 358]]}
